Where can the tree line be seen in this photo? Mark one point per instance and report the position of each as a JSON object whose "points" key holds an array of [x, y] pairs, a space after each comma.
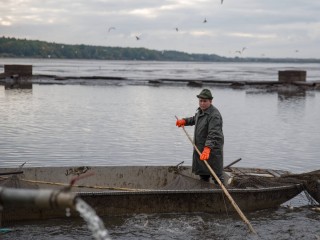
{"points": [[22, 48]]}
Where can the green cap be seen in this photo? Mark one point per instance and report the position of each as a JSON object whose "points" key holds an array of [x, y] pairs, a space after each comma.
{"points": [[205, 94]]}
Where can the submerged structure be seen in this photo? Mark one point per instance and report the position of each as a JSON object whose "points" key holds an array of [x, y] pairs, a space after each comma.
{"points": [[17, 76]]}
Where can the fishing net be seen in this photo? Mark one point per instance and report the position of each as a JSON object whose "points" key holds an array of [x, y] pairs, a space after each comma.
{"points": [[310, 181], [252, 181], [238, 180], [241, 181]]}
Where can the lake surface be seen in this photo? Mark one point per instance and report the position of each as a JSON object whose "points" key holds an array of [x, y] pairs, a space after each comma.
{"points": [[127, 124]]}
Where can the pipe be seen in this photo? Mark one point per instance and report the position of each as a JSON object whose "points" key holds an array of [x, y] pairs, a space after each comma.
{"points": [[231, 164], [11, 173], [40, 198]]}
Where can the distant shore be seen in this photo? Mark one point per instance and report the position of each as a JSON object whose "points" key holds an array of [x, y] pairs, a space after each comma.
{"points": [[23, 48]]}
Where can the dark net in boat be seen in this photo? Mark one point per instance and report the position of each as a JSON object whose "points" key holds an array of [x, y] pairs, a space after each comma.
{"points": [[252, 181], [242, 181], [310, 181]]}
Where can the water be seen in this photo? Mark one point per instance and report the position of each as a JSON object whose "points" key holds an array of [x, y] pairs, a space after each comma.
{"points": [[281, 224], [135, 125], [94, 223], [76, 125]]}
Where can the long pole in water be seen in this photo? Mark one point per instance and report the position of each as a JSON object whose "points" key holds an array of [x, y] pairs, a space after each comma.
{"points": [[234, 204]]}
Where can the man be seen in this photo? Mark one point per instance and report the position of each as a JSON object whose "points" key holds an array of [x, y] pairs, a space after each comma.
{"points": [[208, 137]]}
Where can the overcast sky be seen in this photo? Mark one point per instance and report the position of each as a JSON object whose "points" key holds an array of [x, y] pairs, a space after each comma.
{"points": [[266, 28]]}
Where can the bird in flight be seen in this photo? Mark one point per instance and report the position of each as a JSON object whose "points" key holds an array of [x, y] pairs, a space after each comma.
{"points": [[205, 20], [137, 37], [177, 29], [111, 28], [221, 1], [241, 51]]}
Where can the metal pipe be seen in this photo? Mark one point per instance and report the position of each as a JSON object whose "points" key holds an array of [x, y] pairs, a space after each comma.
{"points": [[231, 164], [11, 173], [40, 198]]}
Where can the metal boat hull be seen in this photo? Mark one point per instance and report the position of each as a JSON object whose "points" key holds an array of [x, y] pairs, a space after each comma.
{"points": [[135, 189]]}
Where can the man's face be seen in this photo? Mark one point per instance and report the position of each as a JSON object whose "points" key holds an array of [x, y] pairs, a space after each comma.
{"points": [[204, 103]]}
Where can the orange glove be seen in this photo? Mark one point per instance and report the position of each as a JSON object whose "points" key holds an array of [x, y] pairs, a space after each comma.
{"points": [[181, 122], [205, 154]]}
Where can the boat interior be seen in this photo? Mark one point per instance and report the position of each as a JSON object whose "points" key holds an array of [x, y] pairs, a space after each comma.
{"points": [[130, 178]]}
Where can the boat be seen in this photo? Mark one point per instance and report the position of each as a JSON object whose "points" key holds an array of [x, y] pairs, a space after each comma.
{"points": [[122, 190]]}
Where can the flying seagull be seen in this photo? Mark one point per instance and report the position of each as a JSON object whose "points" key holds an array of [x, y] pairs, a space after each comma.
{"points": [[205, 20], [221, 1], [177, 29], [111, 28], [241, 51], [138, 38]]}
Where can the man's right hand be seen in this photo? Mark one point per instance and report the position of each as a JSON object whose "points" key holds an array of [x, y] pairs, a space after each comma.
{"points": [[181, 122]]}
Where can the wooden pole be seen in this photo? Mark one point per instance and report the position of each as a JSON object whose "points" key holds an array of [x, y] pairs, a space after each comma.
{"points": [[231, 164], [234, 204]]}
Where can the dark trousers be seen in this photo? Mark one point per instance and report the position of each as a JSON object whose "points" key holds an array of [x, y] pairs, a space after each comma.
{"points": [[206, 178]]}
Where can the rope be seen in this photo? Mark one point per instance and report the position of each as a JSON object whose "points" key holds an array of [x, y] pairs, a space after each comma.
{"points": [[78, 186], [310, 199], [225, 204]]}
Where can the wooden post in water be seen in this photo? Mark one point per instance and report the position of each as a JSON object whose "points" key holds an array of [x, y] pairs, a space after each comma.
{"points": [[290, 76], [18, 76]]}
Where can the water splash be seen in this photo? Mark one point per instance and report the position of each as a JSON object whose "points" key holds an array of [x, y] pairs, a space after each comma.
{"points": [[68, 212], [94, 223]]}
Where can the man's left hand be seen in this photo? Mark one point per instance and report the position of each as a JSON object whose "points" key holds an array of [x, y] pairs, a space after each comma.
{"points": [[205, 154]]}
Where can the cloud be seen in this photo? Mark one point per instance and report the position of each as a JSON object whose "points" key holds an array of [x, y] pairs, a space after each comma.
{"points": [[262, 25]]}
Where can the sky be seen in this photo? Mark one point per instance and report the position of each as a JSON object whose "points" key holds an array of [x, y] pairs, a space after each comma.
{"points": [[243, 28]]}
